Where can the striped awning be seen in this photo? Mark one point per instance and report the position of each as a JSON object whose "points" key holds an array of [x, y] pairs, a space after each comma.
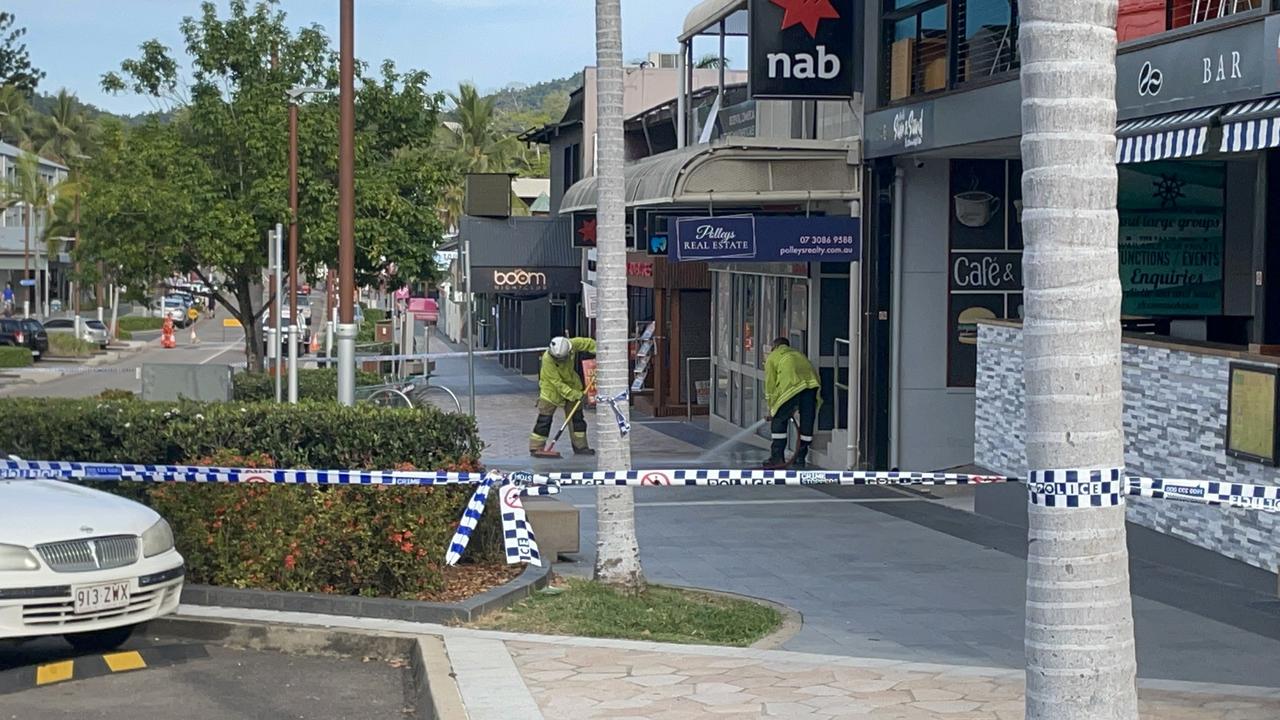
{"points": [[1177, 135], [1252, 125]]}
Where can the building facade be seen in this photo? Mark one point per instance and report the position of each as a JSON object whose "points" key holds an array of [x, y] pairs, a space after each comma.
{"points": [[24, 252]]}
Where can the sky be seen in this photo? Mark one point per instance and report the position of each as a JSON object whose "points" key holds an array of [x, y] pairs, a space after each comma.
{"points": [[490, 42]]}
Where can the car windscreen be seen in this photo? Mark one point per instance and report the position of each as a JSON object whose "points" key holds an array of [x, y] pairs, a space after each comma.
{"points": [[96, 324], [58, 323]]}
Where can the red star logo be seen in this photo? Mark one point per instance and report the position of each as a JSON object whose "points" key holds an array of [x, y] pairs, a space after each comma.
{"points": [[807, 13], [588, 231]]}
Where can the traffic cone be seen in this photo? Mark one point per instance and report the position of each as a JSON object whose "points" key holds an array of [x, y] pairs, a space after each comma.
{"points": [[315, 343]]}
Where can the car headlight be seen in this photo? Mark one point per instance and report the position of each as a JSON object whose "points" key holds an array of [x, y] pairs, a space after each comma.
{"points": [[157, 539], [16, 557]]}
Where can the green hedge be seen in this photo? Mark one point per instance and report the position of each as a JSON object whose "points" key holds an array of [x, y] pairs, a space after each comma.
{"points": [[316, 384], [68, 345], [134, 323], [15, 357], [375, 541]]}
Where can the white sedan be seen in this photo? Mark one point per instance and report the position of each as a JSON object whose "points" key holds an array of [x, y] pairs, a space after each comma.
{"points": [[83, 564]]}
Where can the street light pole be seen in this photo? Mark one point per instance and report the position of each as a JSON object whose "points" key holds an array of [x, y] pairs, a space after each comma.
{"points": [[346, 205], [278, 306], [295, 320]]}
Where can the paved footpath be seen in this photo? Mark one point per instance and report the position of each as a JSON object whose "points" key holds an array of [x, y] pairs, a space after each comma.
{"points": [[508, 676]]}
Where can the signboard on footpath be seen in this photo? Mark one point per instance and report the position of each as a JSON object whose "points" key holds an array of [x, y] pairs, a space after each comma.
{"points": [[747, 238], [805, 49]]}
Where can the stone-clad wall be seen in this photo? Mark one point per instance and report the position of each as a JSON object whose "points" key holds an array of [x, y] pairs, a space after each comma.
{"points": [[1175, 421]]}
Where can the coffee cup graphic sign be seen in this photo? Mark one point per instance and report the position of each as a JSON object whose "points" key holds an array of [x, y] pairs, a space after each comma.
{"points": [[975, 209], [805, 48]]}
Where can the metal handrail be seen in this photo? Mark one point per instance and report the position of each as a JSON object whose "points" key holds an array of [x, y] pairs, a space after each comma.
{"points": [[689, 391]]}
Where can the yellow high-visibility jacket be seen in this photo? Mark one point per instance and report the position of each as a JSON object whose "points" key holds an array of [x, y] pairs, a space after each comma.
{"points": [[787, 373], [558, 380]]}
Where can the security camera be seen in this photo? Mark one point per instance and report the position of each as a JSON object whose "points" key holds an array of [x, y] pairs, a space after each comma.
{"points": [[919, 163]]}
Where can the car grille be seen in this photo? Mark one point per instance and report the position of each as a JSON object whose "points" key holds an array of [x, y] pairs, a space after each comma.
{"points": [[103, 553], [60, 612]]}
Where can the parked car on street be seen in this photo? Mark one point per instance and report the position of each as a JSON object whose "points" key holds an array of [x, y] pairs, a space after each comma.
{"points": [[91, 331], [173, 307], [25, 332], [82, 564]]}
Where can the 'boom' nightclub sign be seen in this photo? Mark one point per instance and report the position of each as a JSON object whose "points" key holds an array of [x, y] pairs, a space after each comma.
{"points": [[805, 48]]}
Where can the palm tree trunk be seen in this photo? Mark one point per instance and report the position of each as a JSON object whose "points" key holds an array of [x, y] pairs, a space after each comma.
{"points": [[617, 552], [26, 263], [1079, 628]]}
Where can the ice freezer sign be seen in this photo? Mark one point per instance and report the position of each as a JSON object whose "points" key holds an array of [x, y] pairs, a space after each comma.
{"points": [[748, 238]]}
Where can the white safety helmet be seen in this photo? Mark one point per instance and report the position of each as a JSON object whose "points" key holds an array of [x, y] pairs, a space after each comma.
{"points": [[560, 348]]}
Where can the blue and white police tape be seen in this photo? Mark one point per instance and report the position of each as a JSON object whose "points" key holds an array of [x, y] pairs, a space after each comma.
{"points": [[517, 534], [624, 427], [1208, 492], [1057, 488], [12, 469], [1077, 488]]}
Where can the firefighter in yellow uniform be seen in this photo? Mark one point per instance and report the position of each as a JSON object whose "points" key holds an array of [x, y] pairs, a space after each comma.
{"points": [[560, 386], [790, 386]]}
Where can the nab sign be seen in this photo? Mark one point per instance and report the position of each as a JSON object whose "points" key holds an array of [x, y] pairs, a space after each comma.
{"points": [[805, 48]]}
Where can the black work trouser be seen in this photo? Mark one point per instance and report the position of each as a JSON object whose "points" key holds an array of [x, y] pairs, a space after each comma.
{"points": [[806, 402]]}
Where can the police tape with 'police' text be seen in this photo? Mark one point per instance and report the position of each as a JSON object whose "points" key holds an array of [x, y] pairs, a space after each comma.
{"points": [[1058, 488]]}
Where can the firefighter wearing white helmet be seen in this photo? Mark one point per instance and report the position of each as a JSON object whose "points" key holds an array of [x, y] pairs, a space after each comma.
{"points": [[560, 386]]}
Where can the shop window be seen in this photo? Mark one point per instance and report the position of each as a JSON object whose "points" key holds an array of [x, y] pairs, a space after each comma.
{"points": [[798, 315], [986, 39], [747, 318], [750, 413], [1172, 240], [764, 430], [934, 45], [1141, 18], [735, 412], [723, 310], [769, 316], [722, 392], [915, 43]]}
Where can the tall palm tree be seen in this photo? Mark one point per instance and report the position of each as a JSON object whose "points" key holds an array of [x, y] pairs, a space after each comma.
{"points": [[617, 551], [32, 191], [478, 144], [1079, 627], [14, 111], [66, 133]]}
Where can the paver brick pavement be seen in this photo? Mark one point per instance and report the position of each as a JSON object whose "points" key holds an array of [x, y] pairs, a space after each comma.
{"points": [[610, 682]]}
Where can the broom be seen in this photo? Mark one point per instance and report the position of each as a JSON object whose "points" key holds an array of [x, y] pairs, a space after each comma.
{"points": [[550, 450]]}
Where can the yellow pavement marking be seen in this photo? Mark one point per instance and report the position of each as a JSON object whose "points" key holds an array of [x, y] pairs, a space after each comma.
{"points": [[230, 323], [121, 661], [55, 672]]}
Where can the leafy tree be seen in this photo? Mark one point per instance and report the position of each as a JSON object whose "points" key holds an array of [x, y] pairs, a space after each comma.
{"points": [[15, 63], [198, 194], [34, 192]]}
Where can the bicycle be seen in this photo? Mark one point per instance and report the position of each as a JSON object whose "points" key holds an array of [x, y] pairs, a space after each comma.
{"points": [[412, 392]]}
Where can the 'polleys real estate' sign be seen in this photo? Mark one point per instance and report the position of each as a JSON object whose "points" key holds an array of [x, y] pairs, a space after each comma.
{"points": [[805, 48], [747, 238]]}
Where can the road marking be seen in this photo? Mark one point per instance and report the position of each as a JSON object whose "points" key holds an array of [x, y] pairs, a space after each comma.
{"points": [[798, 501], [223, 350], [56, 672], [121, 661]]}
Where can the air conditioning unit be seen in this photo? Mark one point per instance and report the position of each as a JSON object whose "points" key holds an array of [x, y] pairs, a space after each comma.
{"points": [[668, 61]]}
